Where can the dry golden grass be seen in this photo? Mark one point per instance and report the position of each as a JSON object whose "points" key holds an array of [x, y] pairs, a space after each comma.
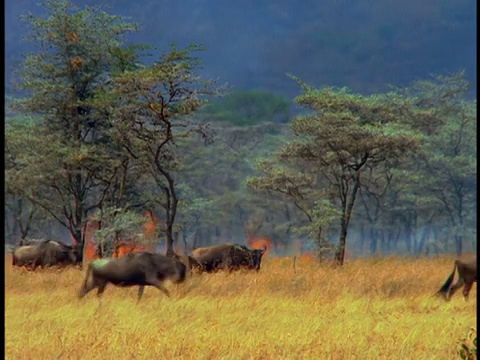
{"points": [[369, 309]]}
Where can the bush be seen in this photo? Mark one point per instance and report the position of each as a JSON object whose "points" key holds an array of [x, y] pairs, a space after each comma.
{"points": [[468, 346]]}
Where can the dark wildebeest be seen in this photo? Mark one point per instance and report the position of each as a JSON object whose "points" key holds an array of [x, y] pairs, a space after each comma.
{"points": [[25, 255], [46, 253], [228, 256], [136, 269], [467, 275]]}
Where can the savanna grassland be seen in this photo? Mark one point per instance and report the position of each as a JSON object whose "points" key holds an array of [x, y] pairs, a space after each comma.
{"points": [[369, 309]]}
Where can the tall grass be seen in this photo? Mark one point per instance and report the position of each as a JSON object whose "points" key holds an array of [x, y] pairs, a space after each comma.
{"points": [[369, 309]]}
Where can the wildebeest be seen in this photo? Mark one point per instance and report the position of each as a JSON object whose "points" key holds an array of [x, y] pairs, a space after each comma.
{"points": [[136, 269], [228, 256], [46, 253], [467, 275]]}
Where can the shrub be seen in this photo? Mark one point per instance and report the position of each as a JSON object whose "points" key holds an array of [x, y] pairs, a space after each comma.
{"points": [[468, 346]]}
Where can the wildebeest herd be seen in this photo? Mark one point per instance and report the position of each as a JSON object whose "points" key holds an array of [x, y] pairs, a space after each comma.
{"points": [[139, 268], [150, 269]]}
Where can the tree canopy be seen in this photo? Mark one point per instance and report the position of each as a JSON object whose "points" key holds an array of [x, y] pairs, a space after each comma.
{"points": [[108, 134]]}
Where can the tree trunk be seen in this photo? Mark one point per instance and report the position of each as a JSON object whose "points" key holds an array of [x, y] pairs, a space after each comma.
{"points": [[408, 235], [195, 238], [423, 239], [373, 242], [347, 207], [459, 244], [169, 236], [340, 252], [184, 238], [99, 247]]}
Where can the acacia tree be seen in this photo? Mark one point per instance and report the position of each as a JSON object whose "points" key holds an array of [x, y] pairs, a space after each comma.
{"points": [[444, 175], [334, 145], [65, 154], [151, 111], [436, 188]]}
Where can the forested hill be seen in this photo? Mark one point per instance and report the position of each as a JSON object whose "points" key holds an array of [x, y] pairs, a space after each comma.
{"points": [[249, 44]]}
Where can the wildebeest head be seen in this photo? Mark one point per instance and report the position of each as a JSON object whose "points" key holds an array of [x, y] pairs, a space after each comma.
{"points": [[244, 257], [257, 257], [76, 254], [58, 253]]}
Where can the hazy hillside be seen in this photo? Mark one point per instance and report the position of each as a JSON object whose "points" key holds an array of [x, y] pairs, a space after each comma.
{"points": [[252, 44]]}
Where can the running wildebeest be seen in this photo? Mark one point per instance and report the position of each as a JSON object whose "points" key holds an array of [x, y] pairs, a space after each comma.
{"points": [[46, 253], [228, 256], [467, 275], [136, 269]]}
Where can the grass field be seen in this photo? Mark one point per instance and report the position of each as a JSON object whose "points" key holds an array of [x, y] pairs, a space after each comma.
{"points": [[369, 309]]}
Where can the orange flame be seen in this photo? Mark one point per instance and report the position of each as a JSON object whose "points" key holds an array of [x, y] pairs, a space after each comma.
{"points": [[123, 249], [90, 252], [307, 257], [150, 225], [260, 243], [125, 246]]}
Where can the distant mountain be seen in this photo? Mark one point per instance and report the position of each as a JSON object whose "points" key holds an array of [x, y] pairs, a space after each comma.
{"points": [[250, 44]]}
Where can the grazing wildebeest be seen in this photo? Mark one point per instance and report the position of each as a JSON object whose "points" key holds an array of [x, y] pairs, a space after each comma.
{"points": [[25, 255], [228, 256], [136, 269], [46, 253], [467, 275]]}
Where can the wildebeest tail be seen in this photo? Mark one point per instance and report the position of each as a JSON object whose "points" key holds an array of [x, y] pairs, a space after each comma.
{"points": [[444, 289]]}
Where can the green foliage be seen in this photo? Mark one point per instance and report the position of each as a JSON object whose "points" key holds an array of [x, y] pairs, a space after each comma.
{"points": [[99, 129], [343, 137], [106, 121], [118, 224], [249, 107], [65, 161], [448, 171], [468, 346], [152, 118]]}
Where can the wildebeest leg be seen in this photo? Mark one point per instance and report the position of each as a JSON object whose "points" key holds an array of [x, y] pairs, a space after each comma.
{"points": [[101, 288], [455, 287], [160, 287], [89, 283], [158, 284], [34, 264], [466, 289], [86, 288], [140, 293]]}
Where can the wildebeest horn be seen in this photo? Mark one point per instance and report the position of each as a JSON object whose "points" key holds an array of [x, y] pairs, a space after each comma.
{"points": [[264, 249]]}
